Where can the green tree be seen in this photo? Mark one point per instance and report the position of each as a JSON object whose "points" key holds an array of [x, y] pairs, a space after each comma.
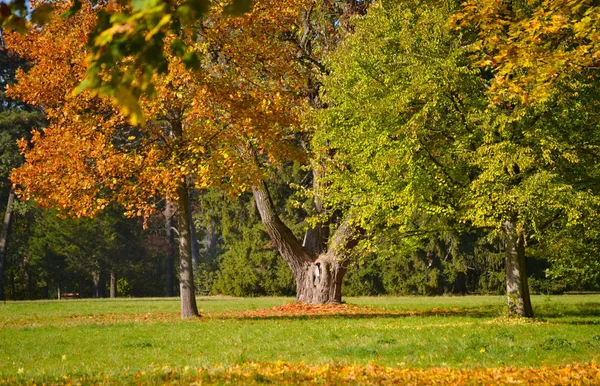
{"points": [[424, 152]]}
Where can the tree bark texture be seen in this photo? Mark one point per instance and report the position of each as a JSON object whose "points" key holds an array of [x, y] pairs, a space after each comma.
{"points": [[169, 225], [517, 288], [189, 309], [4, 239], [318, 276], [113, 283], [193, 238]]}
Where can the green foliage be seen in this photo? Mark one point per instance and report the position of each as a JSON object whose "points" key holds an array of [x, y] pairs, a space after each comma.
{"points": [[249, 266], [46, 251], [15, 124], [425, 153]]}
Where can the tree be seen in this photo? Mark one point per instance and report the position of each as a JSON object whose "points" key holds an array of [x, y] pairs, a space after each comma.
{"points": [[205, 126], [422, 150], [320, 261]]}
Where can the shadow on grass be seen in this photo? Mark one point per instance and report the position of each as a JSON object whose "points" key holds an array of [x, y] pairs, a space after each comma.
{"points": [[270, 314], [573, 315]]}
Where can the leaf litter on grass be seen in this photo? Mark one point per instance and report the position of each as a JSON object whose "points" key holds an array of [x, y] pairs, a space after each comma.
{"points": [[290, 311], [253, 373]]}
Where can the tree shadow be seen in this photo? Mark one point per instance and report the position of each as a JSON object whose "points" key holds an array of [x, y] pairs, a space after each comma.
{"points": [[269, 314], [582, 314]]}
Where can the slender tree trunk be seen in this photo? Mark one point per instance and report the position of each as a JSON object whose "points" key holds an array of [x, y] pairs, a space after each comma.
{"points": [[96, 284], [113, 283], [193, 238], [4, 239], [189, 308], [169, 225], [517, 288], [318, 277]]}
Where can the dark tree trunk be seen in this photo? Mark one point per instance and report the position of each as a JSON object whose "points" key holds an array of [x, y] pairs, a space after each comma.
{"points": [[517, 288], [102, 285], [318, 277], [4, 240], [169, 226], [189, 308], [113, 283]]}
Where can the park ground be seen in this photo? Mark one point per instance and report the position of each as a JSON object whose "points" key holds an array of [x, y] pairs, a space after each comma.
{"points": [[376, 340]]}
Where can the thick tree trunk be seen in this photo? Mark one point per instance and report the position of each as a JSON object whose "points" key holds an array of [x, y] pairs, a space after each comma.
{"points": [[113, 283], [517, 288], [169, 225], [318, 278], [189, 308], [4, 240]]}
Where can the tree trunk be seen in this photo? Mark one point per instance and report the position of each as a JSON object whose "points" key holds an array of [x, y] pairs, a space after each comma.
{"points": [[517, 288], [318, 278], [113, 283], [96, 284], [193, 238], [189, 308], [169, 225], [4, 239]]}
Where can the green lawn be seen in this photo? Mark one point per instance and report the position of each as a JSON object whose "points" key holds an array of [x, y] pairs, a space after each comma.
{"points": [[116, 339]]}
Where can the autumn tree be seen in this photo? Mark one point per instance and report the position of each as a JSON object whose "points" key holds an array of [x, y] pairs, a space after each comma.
{"points": [[202, 128]]}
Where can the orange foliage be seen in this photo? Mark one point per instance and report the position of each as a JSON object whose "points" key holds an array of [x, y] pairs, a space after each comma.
{"points": [[287, 373], [531, 46], [207, 127]]}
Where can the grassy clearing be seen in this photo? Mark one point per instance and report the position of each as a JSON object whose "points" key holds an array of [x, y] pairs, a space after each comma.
{"points": [[119, 340]]}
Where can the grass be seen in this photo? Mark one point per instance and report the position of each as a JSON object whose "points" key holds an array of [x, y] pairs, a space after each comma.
{"points": [[122, 339]]}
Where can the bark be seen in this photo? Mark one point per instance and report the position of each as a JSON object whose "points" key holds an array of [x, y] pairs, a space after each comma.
{"points": [[517, 288], [4, 239], [96, 284], [189, 309], [318, 277], [113, 283], [193, 238], [169, 225]]}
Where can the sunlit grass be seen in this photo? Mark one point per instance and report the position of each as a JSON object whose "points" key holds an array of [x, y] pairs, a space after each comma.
{"points": [[43, 340]]}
